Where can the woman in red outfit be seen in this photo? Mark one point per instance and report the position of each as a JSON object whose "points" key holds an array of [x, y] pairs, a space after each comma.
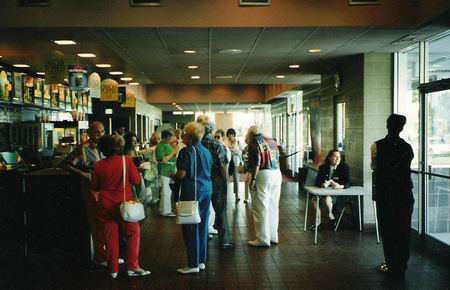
{"points": [[108, 181]]}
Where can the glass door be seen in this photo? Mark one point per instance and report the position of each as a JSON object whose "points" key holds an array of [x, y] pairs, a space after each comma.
{"points": [[436, 160]]}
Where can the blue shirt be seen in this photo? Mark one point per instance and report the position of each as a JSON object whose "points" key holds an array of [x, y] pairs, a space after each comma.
{"points": [[187, 159]]}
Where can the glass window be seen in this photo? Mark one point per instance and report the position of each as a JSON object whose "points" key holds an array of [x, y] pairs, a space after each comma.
{"points": [[439, 58]]}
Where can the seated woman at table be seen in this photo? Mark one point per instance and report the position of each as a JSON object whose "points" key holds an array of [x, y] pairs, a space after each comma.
{"points": [[333, 173]]}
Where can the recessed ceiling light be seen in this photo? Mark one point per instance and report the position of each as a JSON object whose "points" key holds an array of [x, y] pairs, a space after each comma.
{"points": [[66, 80], [116, 73], [86, 54], [65, 42], [103, 65], [195, 77], [1, 56], [20, 65], [41, 73], [224, 77], [314, 50], [192, 66], [126, 79], [280, 77], [190, 51], [1, 66], [134, 84], [294, 66], [174, 104], [188, 113], [230, 51], [177, 113]]}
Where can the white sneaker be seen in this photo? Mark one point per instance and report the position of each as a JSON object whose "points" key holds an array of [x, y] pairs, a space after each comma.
{"points": [[202, 266], [213, 231], [188, 270], [170, 214], [137, 272], [113, 275], [256, 243]]}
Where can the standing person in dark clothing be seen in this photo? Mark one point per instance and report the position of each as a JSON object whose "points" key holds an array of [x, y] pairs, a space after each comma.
{"points": [[391, 162], [219, 181], [333, 173]]}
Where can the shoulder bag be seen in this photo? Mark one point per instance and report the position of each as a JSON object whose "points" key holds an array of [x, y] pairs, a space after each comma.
{"points": [[187, 210], [131, 211]]}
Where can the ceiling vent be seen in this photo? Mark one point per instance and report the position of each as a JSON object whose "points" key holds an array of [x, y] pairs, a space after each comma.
{"points": [[145, 2], [28, 3], [254, 2]]}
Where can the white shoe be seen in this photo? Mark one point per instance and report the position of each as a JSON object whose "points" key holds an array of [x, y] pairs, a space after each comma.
{"points": [[213, 231], [113, 275], [188, 270], [170, 214], [120, 261], [256, 243], [137, 272], [202, 266]]}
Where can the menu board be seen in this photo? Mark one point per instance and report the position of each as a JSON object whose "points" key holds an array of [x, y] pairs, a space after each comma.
{"points": [[47, 96], [18, 88], [62, 97], [28, 90], [6, 86], [38, 91], [54, 96], [68, 100]]}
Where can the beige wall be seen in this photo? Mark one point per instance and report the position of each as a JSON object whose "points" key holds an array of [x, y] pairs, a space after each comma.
{"points": [[182, 94], [218, 13]]}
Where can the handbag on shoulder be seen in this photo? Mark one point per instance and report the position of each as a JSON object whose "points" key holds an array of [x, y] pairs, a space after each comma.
{"points": [[131, 211], [187, 210]]}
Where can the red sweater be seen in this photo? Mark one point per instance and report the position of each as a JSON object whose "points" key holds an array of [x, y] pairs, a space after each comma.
{"points": [[107, 178]]}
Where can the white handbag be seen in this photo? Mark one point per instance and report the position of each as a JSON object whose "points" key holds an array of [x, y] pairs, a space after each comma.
{"points": [[131, 211], [188, 212]]}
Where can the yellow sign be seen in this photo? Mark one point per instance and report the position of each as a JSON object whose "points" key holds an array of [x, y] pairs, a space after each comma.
{"points": [[130, 101], [110, 91]]}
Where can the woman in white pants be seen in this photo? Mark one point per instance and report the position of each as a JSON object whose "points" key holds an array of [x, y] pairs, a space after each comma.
{"points": [[265, 184], [166, 153]]}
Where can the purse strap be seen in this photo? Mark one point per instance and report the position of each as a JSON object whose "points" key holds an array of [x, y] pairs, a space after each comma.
{"points": [[124, 176]]}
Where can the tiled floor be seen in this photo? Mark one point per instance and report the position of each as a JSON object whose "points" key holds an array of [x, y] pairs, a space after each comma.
{"points": [[342, 260]]}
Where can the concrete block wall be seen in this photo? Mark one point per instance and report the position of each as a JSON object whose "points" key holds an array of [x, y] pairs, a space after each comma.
{"points": [[378, 89]]}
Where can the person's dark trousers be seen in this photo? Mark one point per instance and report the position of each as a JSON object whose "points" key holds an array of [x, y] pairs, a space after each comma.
{"points": [[394, 211], [219, 202], [196, 236], [175, 187]]}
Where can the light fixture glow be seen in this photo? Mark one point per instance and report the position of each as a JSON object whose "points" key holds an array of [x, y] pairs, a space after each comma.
{"points": [[294, 66], [126, 79], [86, 54], [280, 77], [230, 51], [224, 77], [314, 50], [103, 65], [65, 42], [41, 73], [116, 73], [174, 104], [188, 113], [195, 77], [21, 65], [177, 113], [133, 84], [189, 51], [192, 66]]}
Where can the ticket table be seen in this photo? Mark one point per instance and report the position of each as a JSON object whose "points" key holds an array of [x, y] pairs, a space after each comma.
{"points": [[358, 191]]}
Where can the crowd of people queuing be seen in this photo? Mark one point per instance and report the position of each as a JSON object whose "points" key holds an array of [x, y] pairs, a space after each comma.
{"points": [[200, 163]]}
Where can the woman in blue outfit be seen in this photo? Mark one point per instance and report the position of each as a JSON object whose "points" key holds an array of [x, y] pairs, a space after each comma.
{"points": [[194, 164]]}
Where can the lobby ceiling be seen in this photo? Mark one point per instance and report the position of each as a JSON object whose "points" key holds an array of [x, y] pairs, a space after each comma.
{"points": [[155, 55]]}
